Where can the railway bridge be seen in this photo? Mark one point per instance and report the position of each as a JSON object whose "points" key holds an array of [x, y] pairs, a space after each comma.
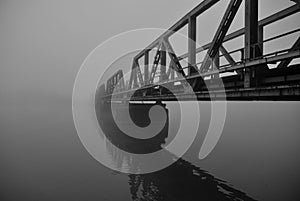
{"points": [[252, 75]]}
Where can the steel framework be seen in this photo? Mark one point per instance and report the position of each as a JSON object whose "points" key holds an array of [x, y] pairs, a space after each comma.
{"points": [[252, 78]]}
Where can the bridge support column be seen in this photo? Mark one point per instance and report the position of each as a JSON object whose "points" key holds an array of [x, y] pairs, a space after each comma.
{"points": [[192, 45], [251, 37], [216, 64], [163, 63], [146, 68], [260, 40], [135, 82]]}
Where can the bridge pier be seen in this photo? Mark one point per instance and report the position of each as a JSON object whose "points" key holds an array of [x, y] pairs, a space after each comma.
{"points": [[139, 115]]}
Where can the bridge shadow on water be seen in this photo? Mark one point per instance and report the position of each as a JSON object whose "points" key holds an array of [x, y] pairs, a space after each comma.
{"points": [[181, 181]]}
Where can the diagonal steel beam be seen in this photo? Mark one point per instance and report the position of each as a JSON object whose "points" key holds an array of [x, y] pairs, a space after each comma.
{"points": [[175, 64], [221, 33], [227, 56], [139, 73], [201, 8], [286, 62], [264, 22]]}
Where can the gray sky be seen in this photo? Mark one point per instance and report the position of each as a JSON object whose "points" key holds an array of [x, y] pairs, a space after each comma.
{"points": [[42, 46]]}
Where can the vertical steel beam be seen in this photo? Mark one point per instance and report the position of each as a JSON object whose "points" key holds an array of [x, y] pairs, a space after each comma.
{"points": [[163, 63], [135, 82], [251, 36], [192, 45], [216, 64], [155, 64], [131, 75], [122, 82], [260, 40], [172, 73], [146, 67]]}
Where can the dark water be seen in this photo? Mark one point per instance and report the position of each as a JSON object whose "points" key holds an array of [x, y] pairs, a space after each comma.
{"points": [[257, 158], [243, 166], [180, 181]]}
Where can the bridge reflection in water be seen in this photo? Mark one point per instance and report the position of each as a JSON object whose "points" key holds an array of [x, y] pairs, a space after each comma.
{"points": [[180, 181]]}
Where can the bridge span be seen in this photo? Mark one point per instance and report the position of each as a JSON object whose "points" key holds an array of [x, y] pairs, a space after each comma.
{"points": [[252, 75]]}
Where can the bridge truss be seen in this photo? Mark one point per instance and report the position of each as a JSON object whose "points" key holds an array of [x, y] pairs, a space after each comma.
{"points": [[250, 77]]}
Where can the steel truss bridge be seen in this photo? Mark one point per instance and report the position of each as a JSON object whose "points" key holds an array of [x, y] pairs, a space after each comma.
{"points": [[247, 78]]}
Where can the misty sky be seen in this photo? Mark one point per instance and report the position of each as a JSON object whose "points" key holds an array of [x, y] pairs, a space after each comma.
{"points": [[42, 46]]}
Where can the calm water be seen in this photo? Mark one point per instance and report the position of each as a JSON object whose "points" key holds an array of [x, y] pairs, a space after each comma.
{"points": [[256, 158]]}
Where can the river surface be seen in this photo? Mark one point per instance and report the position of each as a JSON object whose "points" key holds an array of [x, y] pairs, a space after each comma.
{"points": [[256, 158]]}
